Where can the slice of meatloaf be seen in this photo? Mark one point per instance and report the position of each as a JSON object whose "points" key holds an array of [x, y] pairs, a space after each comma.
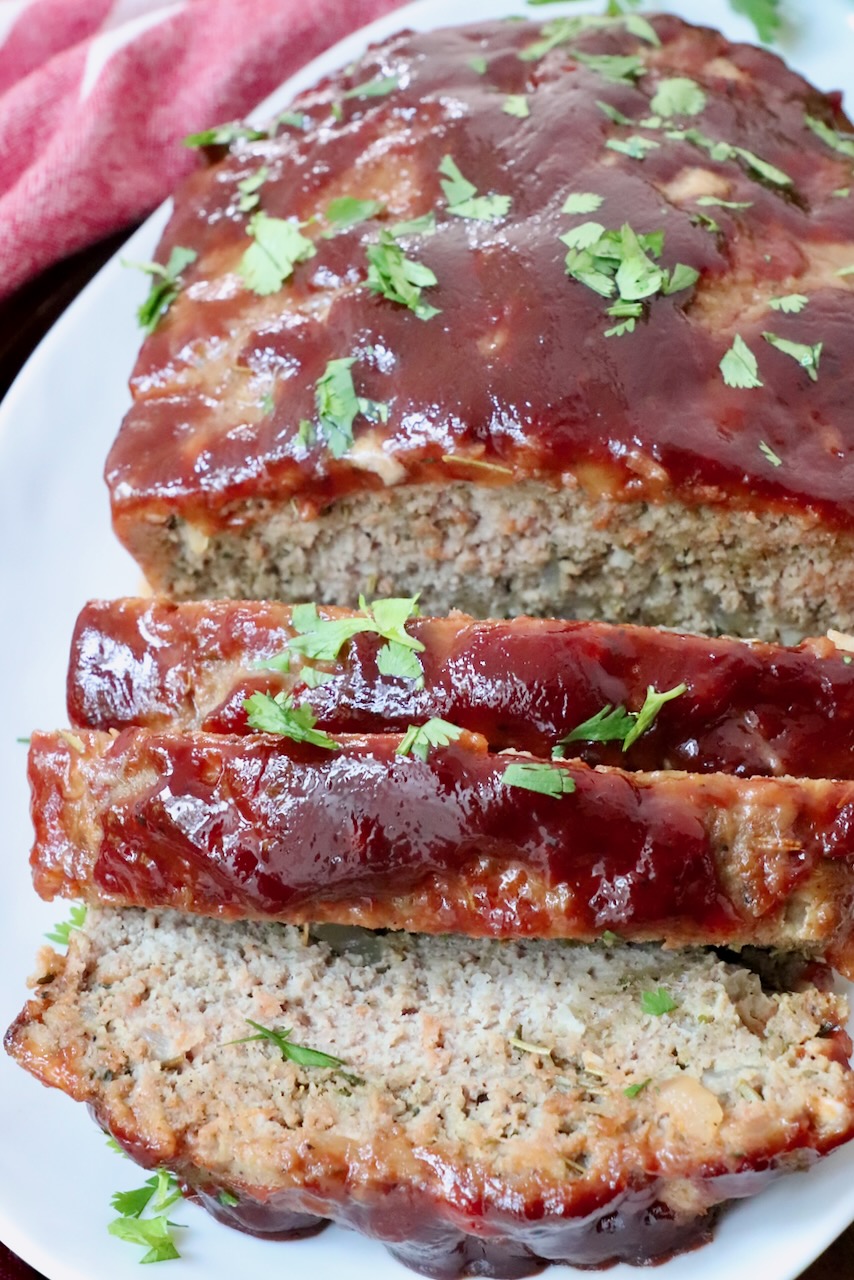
{"points": [[486, 1107], [748, 708], [261, 827], [533, 318]]}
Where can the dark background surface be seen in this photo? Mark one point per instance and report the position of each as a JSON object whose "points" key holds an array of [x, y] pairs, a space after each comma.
{"points": [[24, 319]]}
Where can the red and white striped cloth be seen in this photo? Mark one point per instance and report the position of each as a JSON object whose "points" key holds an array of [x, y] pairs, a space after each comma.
{"points": [[96, 95]]}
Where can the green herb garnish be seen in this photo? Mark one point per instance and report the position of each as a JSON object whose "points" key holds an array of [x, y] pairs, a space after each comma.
{"points": [[418, 739], [478, 64], [346, 211], [294, 120], [582, 202], [739, 367], [376, 88], [321, 639], [834, 139], [398, 278], [791, 304], [278, 246], [764, 14], [806, 356], [678, 96], [618, 68], [155, 1233], [299, 1054], [622, 262], [462, 198], [165, 285], [61, 933], [636, 147], [250, 188], [768, 452], [614, 724], [227, 1199], [547, 779], [724, 204], [516, 104], [222, 135], [281, 715], [657, 1002], [423, 226], [632, 1090]]}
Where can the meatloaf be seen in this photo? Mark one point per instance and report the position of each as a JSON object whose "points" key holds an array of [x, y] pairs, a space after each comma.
{"points": [[462, 841], [531, 318], [485, 1107], [747, 708]]}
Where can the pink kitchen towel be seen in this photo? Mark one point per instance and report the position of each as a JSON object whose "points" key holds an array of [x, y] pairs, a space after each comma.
{"points": [[96, 96]]}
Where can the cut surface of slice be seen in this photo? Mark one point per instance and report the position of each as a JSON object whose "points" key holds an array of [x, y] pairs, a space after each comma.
{"points": [[463, 840], [486, 1104]]}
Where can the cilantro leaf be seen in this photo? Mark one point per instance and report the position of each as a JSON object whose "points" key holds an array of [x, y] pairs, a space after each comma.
{"points": [[154, 1233], [613, 724], [227, 1199], [613, 113], [61, 933], [719, 150], [418, 739], [582, 202], [516, 104], [678, 96], [632, 1090], [321, 639], [423, 226], [346, 211], [681, 277], [552, 34], [768, 452], [764, 14], [297, 1053], [338, 406], [376, 88], [165, 285], [478, 64], [130, 1204], [280, 715], [311, 677], [293, 120], [791, 304], [399, 661], [249, 188], [398, 278], [222, 135], [635, 147], [618, 68], [622, 262], [739, 367], [278, 246], [547, 779], [657, 1002], [462, 198], [806, 356], [724, 204], [765, 170]]}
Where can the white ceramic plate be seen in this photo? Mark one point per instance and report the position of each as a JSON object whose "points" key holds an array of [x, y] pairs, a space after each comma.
{"points": [[56, 1173]]}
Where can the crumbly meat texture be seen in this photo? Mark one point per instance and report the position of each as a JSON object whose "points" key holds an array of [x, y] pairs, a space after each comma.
{"points": [[747, 708], [481, 1084], [520, 459], [257, 826]]}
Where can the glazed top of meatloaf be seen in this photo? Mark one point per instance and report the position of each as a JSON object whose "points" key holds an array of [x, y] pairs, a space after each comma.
{"points": [[606, 372]]}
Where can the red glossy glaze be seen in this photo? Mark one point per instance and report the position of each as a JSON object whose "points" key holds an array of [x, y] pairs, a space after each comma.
{"points": [[749, 709], [260, 827], [516, 370]]}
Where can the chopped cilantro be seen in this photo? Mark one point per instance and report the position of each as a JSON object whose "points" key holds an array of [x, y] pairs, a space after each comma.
{"points": [[739, 367], [227, 1199], [765, 170], [478, 64], [423, 226], [611, 939], [613, 724], [278, 246], [516, 104], [398, 278], [376, 88], [678, 96], [338, 406], [806, 356], [657, 1002], [463, 200], [24, 741], [635, 147], [721, 151], [280, 715], [311, 677], [632, 1090], [834, 139], [841, 192], [791, 304], [764, 14], [222, 135], [552, 34], [165, 285], [418, 739], [618, 68], [768, 452], [250, 187], [622, 262], [321, 639], [582, 202], [297, 1053], [293, 120], [154, 1233], [346, 211], [547, 779], [61, 933], [161, 1191], [613, 113]]}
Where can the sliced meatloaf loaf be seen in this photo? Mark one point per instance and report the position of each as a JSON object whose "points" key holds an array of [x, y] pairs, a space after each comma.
{"points": [[459, 841], [485, 1106], [531, 318], [747, 708]]}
